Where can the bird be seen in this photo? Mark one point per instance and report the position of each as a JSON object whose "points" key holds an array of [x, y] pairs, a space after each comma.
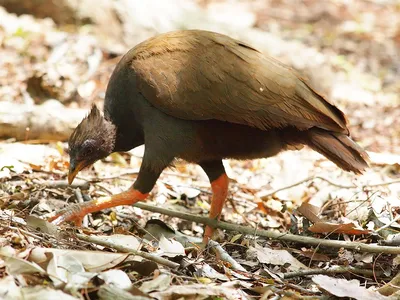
{"points": [[202, 97]]}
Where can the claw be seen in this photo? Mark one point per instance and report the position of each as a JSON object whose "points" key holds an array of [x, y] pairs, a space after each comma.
{"points": [[73, 213], [77, 212]]}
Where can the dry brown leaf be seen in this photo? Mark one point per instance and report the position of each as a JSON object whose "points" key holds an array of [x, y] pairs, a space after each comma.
{"points": [[348, 228], [391, 287], [310, 212], [266, 210]]}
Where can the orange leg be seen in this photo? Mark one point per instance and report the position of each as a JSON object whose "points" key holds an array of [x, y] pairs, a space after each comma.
{"points": [[76, 212], [220, 191]]}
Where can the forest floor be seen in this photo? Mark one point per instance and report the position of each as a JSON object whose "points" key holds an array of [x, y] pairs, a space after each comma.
{"points": [[303, 229]]}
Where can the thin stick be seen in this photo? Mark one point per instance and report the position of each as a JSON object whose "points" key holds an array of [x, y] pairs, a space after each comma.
{"points": [[383, 183], [330, 271], [133, 172], [124, 249], [266, 196], [83, 184], [287, 237], [224, 256]]}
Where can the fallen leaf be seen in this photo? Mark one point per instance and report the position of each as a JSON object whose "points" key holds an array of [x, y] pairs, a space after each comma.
{"points": [[16, 266], [122, 240], [277, 258], [170, 248], [8, 288], [92, 261], [43, 293], [117, 278], [310, 212], [391, 287], [42, 225], [365, 257], [346, 288], [236, 237], [348, 228], [207, 271], [61, 269], [160, 283], [110, 292]]}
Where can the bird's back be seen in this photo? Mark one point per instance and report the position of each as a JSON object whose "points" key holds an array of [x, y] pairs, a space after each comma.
{"points": [[201, 75]]}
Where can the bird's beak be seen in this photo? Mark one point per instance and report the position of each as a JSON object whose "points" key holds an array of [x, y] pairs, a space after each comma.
{"points": [[74, 169]]}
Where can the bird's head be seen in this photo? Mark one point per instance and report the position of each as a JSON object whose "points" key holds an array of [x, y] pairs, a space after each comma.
{"points": [[92, 139]]}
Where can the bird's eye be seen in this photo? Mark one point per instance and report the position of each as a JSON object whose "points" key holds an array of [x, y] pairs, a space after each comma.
{"points": [[88, 151], [88, 147]]}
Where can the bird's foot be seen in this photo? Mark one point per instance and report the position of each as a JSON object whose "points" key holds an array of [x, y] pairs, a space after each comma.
{"points": [[76, 212], [72, 213]]}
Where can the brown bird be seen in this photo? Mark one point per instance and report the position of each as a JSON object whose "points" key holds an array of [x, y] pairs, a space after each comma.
{"points": [[202, 97]]}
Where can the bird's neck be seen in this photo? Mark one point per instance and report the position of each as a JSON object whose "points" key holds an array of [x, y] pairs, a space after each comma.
{"points": [[125, 138], [122, 107]]}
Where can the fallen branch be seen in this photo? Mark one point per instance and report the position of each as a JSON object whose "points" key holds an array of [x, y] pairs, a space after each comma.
{"points": [[124, 249], [38, 122], [224, 256], [84, 185], [78, 183], [287, 237], [332, 271], [389, 224]]}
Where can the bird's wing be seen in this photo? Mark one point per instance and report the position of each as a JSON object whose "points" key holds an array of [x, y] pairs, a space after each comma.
{"points": [[200, 75]]}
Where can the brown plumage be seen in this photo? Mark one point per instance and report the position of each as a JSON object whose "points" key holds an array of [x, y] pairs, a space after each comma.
{"points": [[202, 97], [199, 75]]}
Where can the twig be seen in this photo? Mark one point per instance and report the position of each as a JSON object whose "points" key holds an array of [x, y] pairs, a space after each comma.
{"points": [[266, 196], [330, 271], [28, 233], [301, 289], [224, 256], [129, 173], [383, 183], [361, 247], [83, 184], [109, 244]]}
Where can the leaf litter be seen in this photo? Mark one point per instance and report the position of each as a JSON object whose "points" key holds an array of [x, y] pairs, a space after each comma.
{"points": [[43, 261]]}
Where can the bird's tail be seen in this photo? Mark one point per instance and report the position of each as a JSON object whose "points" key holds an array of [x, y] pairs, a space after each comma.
{"points": [[339, 148]]}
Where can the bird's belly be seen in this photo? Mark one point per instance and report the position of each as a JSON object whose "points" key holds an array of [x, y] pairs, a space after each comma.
{"points": [[218, 140]]}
